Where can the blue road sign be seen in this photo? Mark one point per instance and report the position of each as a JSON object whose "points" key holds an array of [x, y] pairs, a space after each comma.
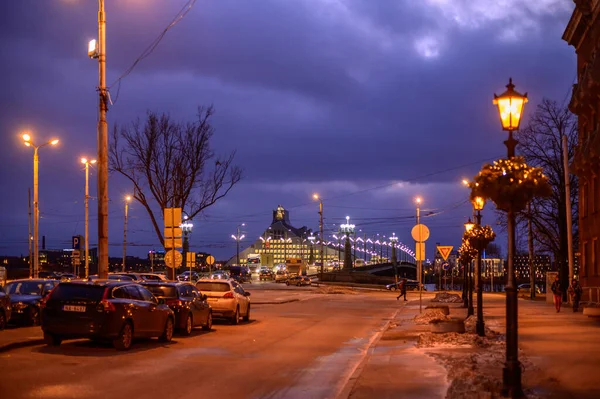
{"points": [[76, 242], [446, 266]]}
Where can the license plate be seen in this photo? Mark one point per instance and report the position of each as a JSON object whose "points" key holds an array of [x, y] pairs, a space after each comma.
{"points": [[73, 308]]}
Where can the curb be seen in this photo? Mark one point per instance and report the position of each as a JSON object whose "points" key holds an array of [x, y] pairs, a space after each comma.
{"points": [[21, 344], [276, 302], [346, 390]]}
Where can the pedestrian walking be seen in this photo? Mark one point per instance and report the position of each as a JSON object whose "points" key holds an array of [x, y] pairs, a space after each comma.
{"points": [[402, 287], [575, 291], [557, 292]]}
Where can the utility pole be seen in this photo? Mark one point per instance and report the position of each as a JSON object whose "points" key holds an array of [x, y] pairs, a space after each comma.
{"points": [[29, 232], [127, 199], [569, 211], [102, 147], [36, 216], [531, 255]]}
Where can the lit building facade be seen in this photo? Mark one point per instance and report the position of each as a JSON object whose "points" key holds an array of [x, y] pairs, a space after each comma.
{"points": [[541, 264], [583, 33]]}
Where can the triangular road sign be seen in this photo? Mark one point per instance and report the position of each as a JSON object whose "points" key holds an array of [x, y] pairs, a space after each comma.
{"points": [[445, 250]]}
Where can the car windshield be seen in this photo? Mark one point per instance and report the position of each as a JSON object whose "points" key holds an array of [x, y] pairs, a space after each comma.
{"points": [[162, 291], [215, 287], [80, 292], [28, 288]]}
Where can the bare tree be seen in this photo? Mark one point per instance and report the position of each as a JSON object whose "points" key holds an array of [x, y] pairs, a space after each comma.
{"points": [[170, 164], [541, 145]]}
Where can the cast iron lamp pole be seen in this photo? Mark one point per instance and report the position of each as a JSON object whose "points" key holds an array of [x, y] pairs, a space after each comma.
{"points": [[468, 227], [316, 196], [510, 106], [127, 201], [478, 204], [237, 239], [347, 229], [186, 228]]}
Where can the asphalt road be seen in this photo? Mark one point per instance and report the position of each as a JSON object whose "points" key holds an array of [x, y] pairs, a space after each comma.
{"points": [[303, 349]]}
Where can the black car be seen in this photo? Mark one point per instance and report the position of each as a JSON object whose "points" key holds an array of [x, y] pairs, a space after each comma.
{"points": [[411, 285], [5, 309], [189, 305], [185, 276], [25, 297], [105, 310]]}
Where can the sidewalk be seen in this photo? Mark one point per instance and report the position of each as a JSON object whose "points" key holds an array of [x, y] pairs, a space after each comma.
{"points": [[559, 352], [18, 337]]}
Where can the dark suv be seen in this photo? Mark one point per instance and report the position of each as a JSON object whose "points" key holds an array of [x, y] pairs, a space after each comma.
{"points": [[116, 311]]}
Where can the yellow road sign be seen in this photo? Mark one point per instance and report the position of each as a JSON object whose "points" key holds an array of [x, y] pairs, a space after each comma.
{"points": [[210, 260], [445, 250], [420, 233], [420, 251], [173, 258]]}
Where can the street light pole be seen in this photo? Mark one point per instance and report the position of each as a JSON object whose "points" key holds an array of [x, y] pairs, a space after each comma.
{"points": [[87, 213], [510, 106], [316, 196], [237, 239], [127, 199], [36, 210], [478, 204]]}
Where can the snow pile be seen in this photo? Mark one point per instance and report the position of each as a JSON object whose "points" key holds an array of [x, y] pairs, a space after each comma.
{"points": [[430, 315], [444, 297], [335, 290]]}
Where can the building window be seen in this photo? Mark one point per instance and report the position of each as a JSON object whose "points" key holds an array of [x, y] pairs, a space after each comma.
{"points": [[584, 194], [594, 259]]}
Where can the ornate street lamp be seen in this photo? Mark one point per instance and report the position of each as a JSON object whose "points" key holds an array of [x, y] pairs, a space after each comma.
{"points": [[186, 227], [467, 287], [347, 229], [393, 241], [478, 204], [510, 107]]}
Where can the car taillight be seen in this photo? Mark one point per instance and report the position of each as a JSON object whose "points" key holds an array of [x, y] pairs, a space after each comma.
{"points": [[105, 305], [174, 302], [228, 295]]}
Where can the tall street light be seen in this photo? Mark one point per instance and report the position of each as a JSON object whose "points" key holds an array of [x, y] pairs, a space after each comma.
{"points": [[316, 196], [127, 201], [467, 287], [98, 50], [238, 237], [87, 163], [186, 228], [418, 201], [393, 241], [478, 204], [36, 209], [510, 107]]}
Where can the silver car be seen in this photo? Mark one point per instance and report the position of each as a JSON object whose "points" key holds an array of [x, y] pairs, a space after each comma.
{"points": [[227, 299]]}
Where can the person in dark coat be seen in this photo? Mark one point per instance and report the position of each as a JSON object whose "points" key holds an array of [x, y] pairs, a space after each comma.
{"points": [[557, 292], [575, 290], [402, 287]]}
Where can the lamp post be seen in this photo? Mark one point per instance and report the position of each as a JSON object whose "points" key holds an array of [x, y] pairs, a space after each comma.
{"points": [[87, 164], [418, 201], [98, 50], [186, 227], [510, 107], [127, 200], [36, 209], [238, 237], [478, 204], [393, 241], [347, 228], [467, 288]]}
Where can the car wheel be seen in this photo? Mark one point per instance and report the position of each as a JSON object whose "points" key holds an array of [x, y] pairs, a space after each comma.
{"points": [[125, 338], [51, 339], [247, 316], [167, 334], [34, 316], [189, 325], [208, 325], [2, 320], [235, 319]]}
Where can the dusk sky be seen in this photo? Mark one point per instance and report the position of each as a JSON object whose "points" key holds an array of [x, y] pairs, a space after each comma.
{"points": [[367, 102]]}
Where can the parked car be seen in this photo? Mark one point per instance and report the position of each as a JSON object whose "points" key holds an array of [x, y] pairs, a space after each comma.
{"points": [[411, 285], [266, 275], [281, 276], [112, 276], [5, 308], [185, 276], [227, 299], [153, 277], [526, 288], [189, 305], [25, 296], [220, 275], [298, 281], [67, 277], [117, 311]]}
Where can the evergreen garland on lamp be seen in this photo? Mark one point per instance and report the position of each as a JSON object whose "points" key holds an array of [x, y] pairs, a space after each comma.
{"points": [[466, 253], [480, 237], [510, 183]]}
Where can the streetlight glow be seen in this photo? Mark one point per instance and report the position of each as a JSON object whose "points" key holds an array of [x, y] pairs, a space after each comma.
{"points": [[316, 196], [128, 198], [26, 137], [418, 200], [54, 142]]}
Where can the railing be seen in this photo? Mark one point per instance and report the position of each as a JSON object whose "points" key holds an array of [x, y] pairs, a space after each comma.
{"points": [[592, 293]]}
